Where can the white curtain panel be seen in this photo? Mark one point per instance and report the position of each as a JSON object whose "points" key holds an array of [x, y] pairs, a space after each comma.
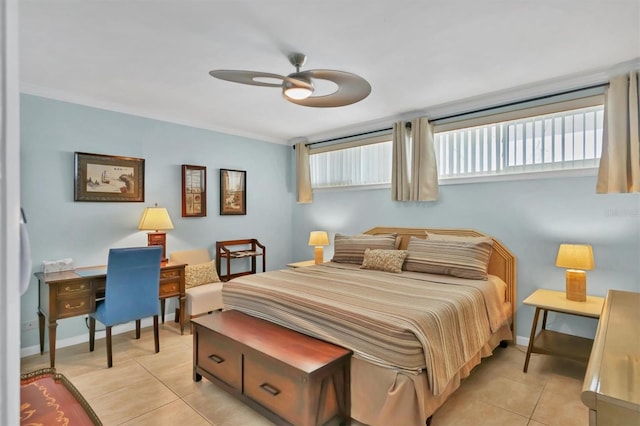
{"points": [[620, 163], [400, 164], [424, 172], [303, 174], [414, 176]]}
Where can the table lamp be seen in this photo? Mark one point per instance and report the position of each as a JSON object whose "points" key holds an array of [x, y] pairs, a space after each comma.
{"points": [[577, 258], [156, 219], [318, 239]]}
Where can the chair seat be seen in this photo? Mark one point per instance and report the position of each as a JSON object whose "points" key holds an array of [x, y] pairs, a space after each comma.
{"points": [[204, 298]]}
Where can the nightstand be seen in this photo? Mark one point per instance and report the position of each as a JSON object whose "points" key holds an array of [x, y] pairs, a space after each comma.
{"points": [[301, 264], [553, 342]]}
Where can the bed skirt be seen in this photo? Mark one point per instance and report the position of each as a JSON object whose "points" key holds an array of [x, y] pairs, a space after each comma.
{"points": [[379, 394]]}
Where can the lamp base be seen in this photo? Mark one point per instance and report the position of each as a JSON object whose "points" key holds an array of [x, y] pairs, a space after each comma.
{"points": [[318, 254], [158, 239], [576, 285]]}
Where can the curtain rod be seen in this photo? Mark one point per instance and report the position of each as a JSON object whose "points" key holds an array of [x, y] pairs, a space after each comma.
{"points": [[344, 137], [462, 114], [508, 104]]}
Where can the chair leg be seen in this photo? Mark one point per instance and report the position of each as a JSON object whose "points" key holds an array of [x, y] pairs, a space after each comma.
{"points": [[92, 333], [156, 334], [109, 351], [137, 329], [162, 309], [177, 317]]}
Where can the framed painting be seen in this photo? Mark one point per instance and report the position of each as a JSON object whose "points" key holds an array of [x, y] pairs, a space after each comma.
{"points": [[233, 192], [101, 177], [194, 191]]}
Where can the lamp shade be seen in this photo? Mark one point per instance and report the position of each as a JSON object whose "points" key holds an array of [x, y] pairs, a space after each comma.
{"points": [[156, 219], [575, 256], [318, 238]]}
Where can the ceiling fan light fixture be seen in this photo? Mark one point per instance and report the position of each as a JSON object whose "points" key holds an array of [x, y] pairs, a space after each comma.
{"points": [[297, 92], [297, 86]]}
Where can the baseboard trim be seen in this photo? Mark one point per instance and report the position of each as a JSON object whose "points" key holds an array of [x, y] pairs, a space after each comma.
{"points": [[76, 340]]}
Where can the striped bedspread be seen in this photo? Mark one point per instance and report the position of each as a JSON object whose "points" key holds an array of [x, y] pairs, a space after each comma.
{"points": [[409, 321]]}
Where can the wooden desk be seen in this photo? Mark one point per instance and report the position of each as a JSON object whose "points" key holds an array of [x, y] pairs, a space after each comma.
{"points": [[553, 342], [72, 293]]}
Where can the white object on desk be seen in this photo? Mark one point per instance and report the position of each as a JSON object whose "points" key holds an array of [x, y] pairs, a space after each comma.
{"points": [[58, 265]]}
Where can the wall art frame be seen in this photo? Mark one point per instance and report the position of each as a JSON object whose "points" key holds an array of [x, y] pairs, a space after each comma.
{"points": [[194, 191], [108, 178], [233, 192]]}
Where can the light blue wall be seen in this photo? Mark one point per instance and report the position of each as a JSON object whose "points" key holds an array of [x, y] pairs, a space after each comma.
{"points": [[531, 217], [51, 131]]}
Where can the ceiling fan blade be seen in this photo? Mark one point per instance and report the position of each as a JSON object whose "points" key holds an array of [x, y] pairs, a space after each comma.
{"points": [[247, 77], [351, 89]]}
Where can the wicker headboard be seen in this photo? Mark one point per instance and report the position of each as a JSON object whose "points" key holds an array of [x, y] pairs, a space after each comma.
{"points": [[502, 262]]}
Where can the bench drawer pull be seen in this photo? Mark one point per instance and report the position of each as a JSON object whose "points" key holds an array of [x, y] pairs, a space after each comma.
{"points": [[270, 389], [215, 358]]}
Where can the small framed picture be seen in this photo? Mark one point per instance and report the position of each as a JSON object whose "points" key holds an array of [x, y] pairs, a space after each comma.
{"points": [[233, 192], [194, 191], [107, 178]]}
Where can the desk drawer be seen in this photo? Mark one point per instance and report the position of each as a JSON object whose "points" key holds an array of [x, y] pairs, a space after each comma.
{"points": [[275, 386], [220, 356], [169, 289], [71, 306], [74, 288], [170, 273]]}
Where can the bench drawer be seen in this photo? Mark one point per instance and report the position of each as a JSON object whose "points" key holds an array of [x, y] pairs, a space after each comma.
{"points": [[272, 385], [221, 357]]}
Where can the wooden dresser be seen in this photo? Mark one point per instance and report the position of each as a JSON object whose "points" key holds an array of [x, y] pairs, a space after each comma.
{"points": [[611, 387], [289, 377]]}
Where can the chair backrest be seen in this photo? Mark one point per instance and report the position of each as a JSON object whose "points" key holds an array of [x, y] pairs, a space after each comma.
{"points": [[133, 282]]}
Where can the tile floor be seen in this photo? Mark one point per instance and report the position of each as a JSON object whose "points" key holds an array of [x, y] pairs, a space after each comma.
{"points": [[144, 388]]}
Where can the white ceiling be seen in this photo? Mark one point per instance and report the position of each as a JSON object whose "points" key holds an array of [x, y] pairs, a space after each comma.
{"points": [[152, 58]]}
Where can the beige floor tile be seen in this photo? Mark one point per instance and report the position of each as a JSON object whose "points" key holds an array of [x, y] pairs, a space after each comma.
{"points": [[471, 412], [174, 413], [180, 379], [515, 396], [104, 381], [216, 405], [535, 423], [127, 403], [560, 403]]}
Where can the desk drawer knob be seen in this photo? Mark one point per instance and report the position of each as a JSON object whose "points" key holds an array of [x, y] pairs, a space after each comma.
{"points": [[78, 306], [269, 389], [71, 289], [215, 358]]}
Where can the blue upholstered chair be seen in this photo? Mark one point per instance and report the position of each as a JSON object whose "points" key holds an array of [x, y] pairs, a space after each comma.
{"points": [[133, 280]]}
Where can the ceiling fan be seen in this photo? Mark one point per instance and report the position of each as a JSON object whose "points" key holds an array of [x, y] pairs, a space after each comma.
{"points": [[298, 87]]}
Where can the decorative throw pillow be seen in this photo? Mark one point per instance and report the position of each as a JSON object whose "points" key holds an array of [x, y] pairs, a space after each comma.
{"points": [[348, 249], [463, 259], [384, 260], [200, 273]]}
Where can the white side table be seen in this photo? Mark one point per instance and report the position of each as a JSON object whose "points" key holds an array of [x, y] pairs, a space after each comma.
{"points": [[553, 342]]}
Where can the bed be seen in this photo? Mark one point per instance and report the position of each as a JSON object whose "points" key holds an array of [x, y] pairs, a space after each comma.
{"points": [[415, 331]]}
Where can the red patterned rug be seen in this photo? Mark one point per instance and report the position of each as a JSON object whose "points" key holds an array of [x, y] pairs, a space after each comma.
{"points": [[48, 398]]}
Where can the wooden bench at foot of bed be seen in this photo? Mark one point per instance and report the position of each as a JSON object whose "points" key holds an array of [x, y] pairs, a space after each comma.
{"points": [[289, 377]]}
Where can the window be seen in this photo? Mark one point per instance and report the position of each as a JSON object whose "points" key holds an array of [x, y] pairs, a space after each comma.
{"points": [[570, 139], [557, 133], [366, 163]]}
